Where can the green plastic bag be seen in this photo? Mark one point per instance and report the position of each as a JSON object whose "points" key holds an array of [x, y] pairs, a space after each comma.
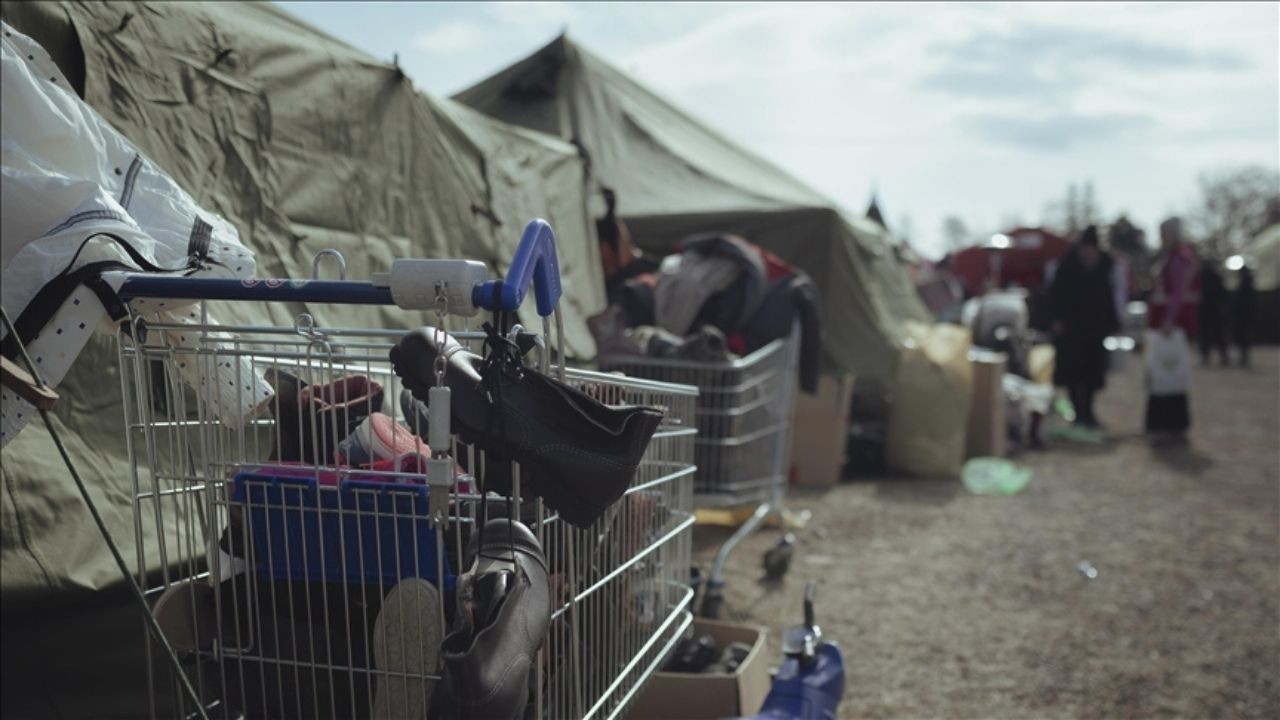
{"points": [[994, 476], [1077, 434], [1063, 407]]}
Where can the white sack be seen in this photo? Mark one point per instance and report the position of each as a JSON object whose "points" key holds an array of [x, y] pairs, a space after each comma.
{"points": [[66, 175], [1168, 363]]}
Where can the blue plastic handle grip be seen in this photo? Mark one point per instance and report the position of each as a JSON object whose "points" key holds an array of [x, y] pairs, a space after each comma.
{"points": [[535, 262]]}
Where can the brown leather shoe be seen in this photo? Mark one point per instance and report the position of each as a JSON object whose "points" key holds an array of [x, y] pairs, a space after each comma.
{"points": [[504, 609]]}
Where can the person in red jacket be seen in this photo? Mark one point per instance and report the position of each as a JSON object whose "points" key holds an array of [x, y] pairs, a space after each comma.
{"points": [[1174, 299]]}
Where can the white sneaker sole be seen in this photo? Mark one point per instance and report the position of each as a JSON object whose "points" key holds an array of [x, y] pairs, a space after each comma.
{"points": [[406, 646], [185, 613]]}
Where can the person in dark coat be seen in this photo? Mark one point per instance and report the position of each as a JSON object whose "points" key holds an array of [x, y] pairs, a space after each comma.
{"points": [[1212, 312], [1242, 303], [1082, 306]]}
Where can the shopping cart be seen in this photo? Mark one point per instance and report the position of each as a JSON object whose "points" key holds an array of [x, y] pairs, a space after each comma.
{"points": [[744, 418], [282, 568]]}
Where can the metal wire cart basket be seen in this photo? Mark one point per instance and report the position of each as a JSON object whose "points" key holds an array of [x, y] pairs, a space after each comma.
{"points": [[744, 417], [283, 567]]}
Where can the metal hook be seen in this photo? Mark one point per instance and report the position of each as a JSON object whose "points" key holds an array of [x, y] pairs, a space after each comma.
{"points": [[329, 252], [305, 325], [137, 328]]}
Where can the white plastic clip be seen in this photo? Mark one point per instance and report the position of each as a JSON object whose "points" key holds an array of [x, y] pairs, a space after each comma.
{"points": [[440, 472], [416, 283], [439, 480], [439, 432]]}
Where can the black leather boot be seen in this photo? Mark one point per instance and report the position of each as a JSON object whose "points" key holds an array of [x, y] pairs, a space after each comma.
{"points": [[578, 454]]}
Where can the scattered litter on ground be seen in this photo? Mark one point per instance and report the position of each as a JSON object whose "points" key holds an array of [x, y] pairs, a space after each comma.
{"points": [[777, 559], [1073, 646], [1064, 409], [1077, 434], [994, 476], [792, 518], [1087, 569]]}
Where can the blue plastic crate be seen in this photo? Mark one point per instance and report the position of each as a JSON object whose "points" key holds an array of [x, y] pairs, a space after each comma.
{"points": [[360, 531]]}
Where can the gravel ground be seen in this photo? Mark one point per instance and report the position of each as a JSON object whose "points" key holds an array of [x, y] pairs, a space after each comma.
{"points": [[953, 605]]}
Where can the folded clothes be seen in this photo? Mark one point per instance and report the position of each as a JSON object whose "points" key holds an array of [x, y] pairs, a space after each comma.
{"points": [[717, 279], [378, 437], [705, 343], [312, 419]]}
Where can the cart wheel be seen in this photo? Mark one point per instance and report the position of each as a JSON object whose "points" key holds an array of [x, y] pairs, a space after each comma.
{"points": [[712, 600], [777, 559]]}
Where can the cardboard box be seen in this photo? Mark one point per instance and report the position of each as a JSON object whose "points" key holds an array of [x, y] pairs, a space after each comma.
{"points": [[820, 433], [988, 431], [709, 696]]}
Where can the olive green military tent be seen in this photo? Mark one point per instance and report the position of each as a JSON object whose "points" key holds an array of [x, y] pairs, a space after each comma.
{"points": [[303, 143], [675, 176]]}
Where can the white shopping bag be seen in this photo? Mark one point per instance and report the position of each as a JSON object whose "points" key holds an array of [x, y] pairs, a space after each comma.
{"points": [[1168, 363]]}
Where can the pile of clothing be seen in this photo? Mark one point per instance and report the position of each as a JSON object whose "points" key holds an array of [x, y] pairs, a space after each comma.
{"points": [[717, 298]]}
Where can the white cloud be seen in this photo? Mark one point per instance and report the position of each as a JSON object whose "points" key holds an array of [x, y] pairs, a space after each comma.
{"points": [[452, 37], [1137, 97], [533, 14]]}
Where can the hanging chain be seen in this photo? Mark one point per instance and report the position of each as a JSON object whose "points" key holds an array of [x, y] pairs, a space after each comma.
{"points": [[440, 336], [440, 465]]}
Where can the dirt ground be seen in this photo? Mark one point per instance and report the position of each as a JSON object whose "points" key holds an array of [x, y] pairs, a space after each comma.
{"points": [[952, 605]]}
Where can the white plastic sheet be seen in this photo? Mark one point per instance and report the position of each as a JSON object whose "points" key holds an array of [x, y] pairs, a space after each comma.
{"points": [[1033, 396], [68, 175]]}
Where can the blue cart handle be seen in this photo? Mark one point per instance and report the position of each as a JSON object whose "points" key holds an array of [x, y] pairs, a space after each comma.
{"points": [[535, 261], [412, 284]]}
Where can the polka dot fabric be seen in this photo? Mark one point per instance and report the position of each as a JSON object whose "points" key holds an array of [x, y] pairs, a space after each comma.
{"points": [[70, 175], [52, 351], [236, 393]]}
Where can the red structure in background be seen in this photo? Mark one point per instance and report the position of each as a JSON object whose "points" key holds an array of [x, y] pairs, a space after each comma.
{"points": [[1024, 262]]}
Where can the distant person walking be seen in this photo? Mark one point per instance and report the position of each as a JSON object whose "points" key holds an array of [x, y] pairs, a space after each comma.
{"points": [[1172, 306], [1212, 314], [1083, 311], [1242, 303]]}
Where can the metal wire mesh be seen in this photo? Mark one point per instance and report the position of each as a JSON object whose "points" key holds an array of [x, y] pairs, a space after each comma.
{"points": [[743, 447], [282, 568]]}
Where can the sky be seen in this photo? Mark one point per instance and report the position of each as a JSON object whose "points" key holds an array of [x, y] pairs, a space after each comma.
{"points": [[986, 112]]}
